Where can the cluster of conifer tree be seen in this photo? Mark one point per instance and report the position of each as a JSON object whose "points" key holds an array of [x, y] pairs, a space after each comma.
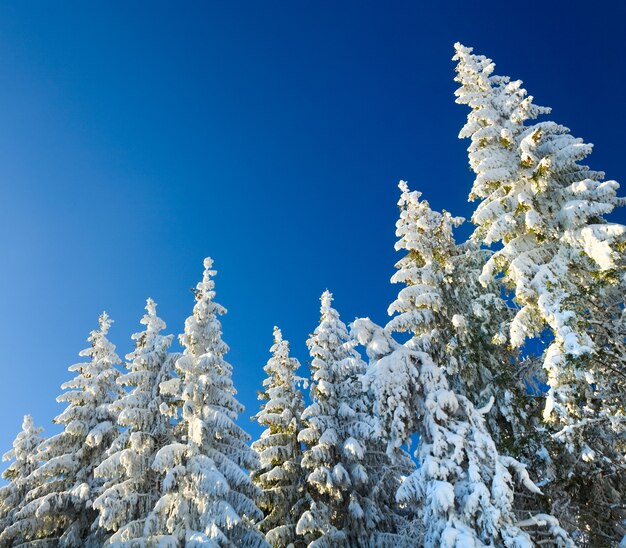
{"points": [[513, 381]]}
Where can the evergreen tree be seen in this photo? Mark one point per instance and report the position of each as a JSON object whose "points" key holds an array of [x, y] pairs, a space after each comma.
{"points": [[132, 488], [280, 476], [352, 496], [208, 495], [59, 507], [564, 263], [19, 473], [463, 488], [462, 324]]}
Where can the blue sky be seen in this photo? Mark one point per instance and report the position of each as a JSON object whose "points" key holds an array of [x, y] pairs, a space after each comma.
{"points": [[137, 138]]}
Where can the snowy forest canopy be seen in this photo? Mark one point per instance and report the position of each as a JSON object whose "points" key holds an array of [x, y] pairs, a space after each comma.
{"points": [[504, 357]]}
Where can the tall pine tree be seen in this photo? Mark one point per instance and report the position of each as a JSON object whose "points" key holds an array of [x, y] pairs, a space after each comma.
{"points": [[564, 264], [350, 478], [59, 507], [25, 460], [132, 487], [462, 324], [208, 495], [280, 476]]}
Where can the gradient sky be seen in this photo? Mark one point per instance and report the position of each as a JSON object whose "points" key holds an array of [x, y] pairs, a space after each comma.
{"points": [[137, 138]]}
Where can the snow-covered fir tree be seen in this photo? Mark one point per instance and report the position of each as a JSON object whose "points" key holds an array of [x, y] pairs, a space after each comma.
{"points": [[59, 506], [548, 211], [25, 460], [132, 487], [280, 476], [462, 325], [450, 315], [564, 263], [463, 489], [208, 496], [351, 479]]}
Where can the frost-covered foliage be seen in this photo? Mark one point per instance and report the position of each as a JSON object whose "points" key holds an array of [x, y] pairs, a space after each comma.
{"points": [[208, 497], [351, 501], [563, 262], [463, 486], [463, 489], [280, 476], [548, 211], [462, 326], [132, 487], [25, 460], [60, 503]]}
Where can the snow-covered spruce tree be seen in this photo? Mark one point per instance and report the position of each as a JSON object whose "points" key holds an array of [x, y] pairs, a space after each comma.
{"points": [[565, 265], [25, 457], [452, 316], [462, 325], [459, 324], [350, 477], [59, 507], [208, 496], [132, 487], [463, 488], [280, 476]]}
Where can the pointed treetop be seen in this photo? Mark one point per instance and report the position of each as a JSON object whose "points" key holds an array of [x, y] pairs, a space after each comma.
{"points": [[278, 335], [105, 323], [151, 336], [419, 226], [458, 47], [493, 99], [100, 347], [205, 287], [326, 299], [151, 306], [403, 186], [480, 63], [150, 319], [406, 191], [474, 72], [27, 438], [208, 272], [28, 423]]}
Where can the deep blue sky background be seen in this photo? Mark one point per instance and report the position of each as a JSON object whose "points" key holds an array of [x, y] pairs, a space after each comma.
{"points": [[138, 137]]}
